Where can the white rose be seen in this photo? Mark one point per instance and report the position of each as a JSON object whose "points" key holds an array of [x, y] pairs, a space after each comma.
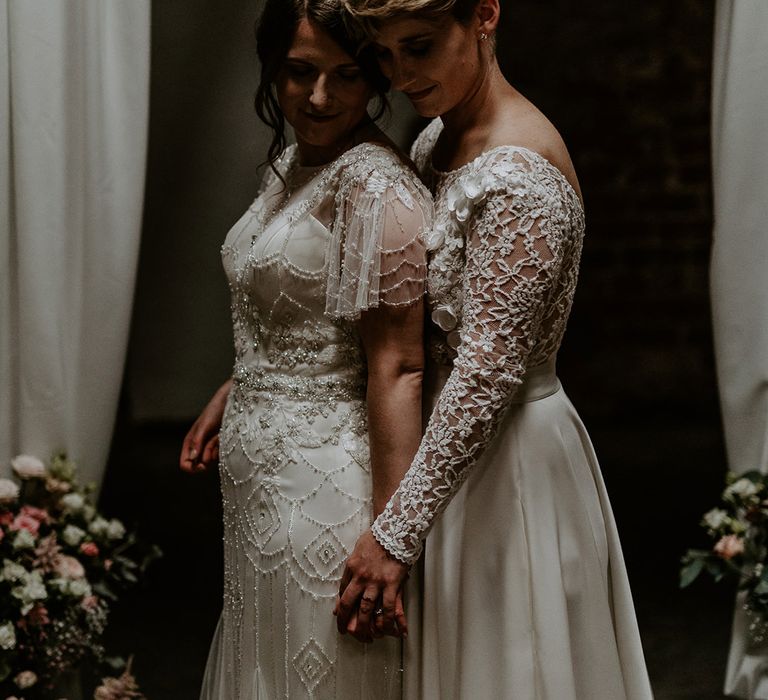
{"points": [[716, 518], [24, 540], [9, 491], [73, 535], [12, 571], [435, 237], [116, 529], [98, 526], [31, 590], [444, 317], [476, 185], [743, 488], [80, 588], [73, 502], [89, 512], [25, 679], [7, 636], [28, 467]]}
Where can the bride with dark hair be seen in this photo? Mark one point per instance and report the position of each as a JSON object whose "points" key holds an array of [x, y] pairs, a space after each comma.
{"points": [[322, 415], [525, 591]]}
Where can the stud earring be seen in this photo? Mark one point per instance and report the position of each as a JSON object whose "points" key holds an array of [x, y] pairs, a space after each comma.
{"points": [[483, 36]]}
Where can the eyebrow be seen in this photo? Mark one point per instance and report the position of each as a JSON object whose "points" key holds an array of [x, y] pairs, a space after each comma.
{"points": [[414, 37], [298, 59]]}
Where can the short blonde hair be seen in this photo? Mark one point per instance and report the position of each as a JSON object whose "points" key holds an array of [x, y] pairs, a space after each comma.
{"points": [[380, 10]]}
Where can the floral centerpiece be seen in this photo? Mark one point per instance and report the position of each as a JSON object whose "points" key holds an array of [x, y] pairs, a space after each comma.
{"points": [[738, 530], [61, 566]]}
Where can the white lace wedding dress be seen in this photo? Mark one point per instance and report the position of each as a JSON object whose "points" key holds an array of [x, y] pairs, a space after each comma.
{"points": [[525, 592], [303, 262]]}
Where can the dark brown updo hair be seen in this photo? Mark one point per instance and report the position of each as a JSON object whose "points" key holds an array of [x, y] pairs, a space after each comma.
{"points": [[274, 35]]}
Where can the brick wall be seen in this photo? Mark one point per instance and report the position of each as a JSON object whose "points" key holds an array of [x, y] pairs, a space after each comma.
{"points": [[628, 85]]}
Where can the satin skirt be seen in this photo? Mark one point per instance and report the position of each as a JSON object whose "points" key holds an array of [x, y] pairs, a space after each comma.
{"points": [[524, 590]]}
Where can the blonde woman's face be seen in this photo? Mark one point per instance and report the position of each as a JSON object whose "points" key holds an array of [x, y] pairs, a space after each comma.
{"points": [[321, 91], [436, 63]]}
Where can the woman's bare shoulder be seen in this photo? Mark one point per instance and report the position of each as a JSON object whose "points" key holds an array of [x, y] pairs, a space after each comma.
{"points": [[523, 124]]}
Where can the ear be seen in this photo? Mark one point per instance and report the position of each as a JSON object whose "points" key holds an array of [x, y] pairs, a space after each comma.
{"points": [[487, 16]]}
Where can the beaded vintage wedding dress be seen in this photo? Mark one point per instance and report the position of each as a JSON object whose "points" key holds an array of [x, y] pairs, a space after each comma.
{"points": [[303, 263], [525, 594]]}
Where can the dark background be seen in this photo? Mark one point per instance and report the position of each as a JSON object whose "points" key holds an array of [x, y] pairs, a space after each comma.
{"points": [[628, 85]]}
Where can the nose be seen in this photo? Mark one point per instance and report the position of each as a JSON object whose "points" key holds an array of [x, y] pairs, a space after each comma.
{"points": [[320, 97], [400, 73]]}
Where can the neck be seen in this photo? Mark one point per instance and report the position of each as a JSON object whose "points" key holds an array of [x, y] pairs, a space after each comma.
{"points": [[311, 155], [480, 106]]}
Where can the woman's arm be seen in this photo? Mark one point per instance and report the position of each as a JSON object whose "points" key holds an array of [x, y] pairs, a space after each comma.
{"points": [[393, 341], [200, 448], [514, 252]]}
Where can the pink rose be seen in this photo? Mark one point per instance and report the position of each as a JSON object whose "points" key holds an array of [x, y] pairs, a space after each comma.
{"points": [[38, 616], [69, 567], [729, 546], [90, 549], [6, 518], [90, 602], [39, 514], [25, 522]]}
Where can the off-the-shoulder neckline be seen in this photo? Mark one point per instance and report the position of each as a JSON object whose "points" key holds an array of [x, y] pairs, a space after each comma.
{"points": [[500, 148]]}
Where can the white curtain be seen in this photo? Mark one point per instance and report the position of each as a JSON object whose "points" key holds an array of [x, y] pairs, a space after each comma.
{"points": [[74, 92], [739, 271]]}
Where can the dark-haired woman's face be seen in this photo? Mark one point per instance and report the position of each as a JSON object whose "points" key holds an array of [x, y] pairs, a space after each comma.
{"points": [[322, 93], [436, 63]]}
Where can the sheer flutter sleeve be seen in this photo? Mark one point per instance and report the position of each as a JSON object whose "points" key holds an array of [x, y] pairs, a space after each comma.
{"points": [[377, 253], [515, 229]]}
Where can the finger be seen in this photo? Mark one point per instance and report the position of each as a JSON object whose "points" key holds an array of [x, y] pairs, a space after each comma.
{"points": [[385, 621], [365, 611], [346, 577], [402, 622], [208, 452], [348, 604]]}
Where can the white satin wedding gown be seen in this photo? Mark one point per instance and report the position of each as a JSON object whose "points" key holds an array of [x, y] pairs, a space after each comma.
{"points": [[525, 593], [303, 263]]}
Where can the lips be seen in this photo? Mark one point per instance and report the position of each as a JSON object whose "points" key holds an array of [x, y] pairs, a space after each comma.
{"points": [[419, 94], [320, 118]]}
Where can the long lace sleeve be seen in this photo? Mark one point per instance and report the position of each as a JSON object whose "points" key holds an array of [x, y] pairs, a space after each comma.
{"points": [[516, 232], [377, 253]]}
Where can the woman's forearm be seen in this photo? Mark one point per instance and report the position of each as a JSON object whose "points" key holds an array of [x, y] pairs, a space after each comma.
{"points": [[394, 427]]}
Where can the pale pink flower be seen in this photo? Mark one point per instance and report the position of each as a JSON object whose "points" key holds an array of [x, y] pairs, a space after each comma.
{"points": [[107, 564], [28, 467], [69, 567], [729, 546], [90, 549], [25, 679], [90, 602], [25, 522], [57, 485], [123, 688]]}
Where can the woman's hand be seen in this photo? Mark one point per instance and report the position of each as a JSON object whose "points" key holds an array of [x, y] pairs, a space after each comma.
{"points": [[370, 589], [200, 448]]}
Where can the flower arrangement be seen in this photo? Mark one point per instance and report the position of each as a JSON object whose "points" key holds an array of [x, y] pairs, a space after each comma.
{"points": [[739, 533], [61, 566]]}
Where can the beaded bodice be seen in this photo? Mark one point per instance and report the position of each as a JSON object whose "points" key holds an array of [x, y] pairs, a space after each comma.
{"points": [[308, 256], [504, 254]]}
